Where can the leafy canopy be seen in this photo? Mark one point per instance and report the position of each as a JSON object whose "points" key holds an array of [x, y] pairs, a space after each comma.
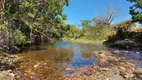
{"points": [[26, 19], [136, 10]]}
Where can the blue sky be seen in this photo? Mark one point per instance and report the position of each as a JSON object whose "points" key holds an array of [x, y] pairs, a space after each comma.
{"points": [[88, 9]]}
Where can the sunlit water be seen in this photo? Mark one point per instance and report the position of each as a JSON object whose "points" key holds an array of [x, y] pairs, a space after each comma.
{"points": [[133, 56], [81, 53], [52, 60], [78, 55]]}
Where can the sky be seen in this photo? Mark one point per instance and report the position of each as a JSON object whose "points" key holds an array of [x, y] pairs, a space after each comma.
{"points": [[87, 9]]}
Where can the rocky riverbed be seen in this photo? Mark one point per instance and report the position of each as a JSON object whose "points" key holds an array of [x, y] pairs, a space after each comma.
{"points": [[8, 65], [107, 68]]}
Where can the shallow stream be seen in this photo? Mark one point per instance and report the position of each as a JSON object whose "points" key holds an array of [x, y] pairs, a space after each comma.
{"points": [[59, 56]]}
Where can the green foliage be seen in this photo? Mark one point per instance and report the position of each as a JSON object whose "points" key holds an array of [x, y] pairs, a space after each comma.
{"points": [[97, 33], [3, 27], [125, 25], [89, 31], [19, 38], [26, 20], [86, 23], [121, 31], [94, 30], [136, 10], [73, 32]]}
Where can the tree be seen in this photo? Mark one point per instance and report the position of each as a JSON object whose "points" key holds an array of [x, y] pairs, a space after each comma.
{"points": [[110, 14], [29, 21], [106, 20], [136, 10], [86, 23], [124, 26], [73, 32]]}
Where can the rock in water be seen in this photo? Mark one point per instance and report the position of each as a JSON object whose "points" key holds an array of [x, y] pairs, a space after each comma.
{"points": [[5, 75], [138, 71]]}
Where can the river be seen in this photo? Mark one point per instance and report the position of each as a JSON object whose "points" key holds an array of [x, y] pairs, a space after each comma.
{"points": [[53, 60]]}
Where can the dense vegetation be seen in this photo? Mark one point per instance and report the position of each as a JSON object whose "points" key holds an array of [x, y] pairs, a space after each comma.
{"points": [[24, 22], [30, 21], [126, 35], [28, 24]]}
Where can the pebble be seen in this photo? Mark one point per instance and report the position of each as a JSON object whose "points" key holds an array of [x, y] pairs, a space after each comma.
{"points": [[5, 75], [68, 69], [104, 69], [137, 52], [35, 66], [129, 75], [140, 76], [130, 64], [122, 68], [138, 71]]}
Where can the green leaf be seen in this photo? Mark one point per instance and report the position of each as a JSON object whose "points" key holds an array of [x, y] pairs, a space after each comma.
{"points": [[3, 27]]}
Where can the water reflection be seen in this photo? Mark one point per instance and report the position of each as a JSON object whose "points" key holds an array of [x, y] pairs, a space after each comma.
{"points": [[51, 61], [48, 62], [81, 53]]}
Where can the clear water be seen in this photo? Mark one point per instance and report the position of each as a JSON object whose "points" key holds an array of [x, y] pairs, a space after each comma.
{"points": [[81, 53], [133, 56], [71, 55], [54, 60]]}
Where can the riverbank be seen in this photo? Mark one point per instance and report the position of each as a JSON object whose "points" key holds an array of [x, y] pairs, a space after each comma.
{"points": [[124, 44], [107, 68], [95, 42], [8, 65], [65, 61]]}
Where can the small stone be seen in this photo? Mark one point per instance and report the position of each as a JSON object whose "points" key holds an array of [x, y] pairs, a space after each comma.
{"points": [[116, 60], [45, 64], [104, 69], [94, 70], [107, 79], [137, 52], [103, 56], [35, 66], [129, 75], [130, 64], [11, 74], [126, 51], [3, 61], [9, 70], [140, 76], [122, 68], [138, 71], [68, 69], [116, 51]]}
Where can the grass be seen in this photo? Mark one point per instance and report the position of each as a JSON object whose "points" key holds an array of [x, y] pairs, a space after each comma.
{"points": [[84, 41]]}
